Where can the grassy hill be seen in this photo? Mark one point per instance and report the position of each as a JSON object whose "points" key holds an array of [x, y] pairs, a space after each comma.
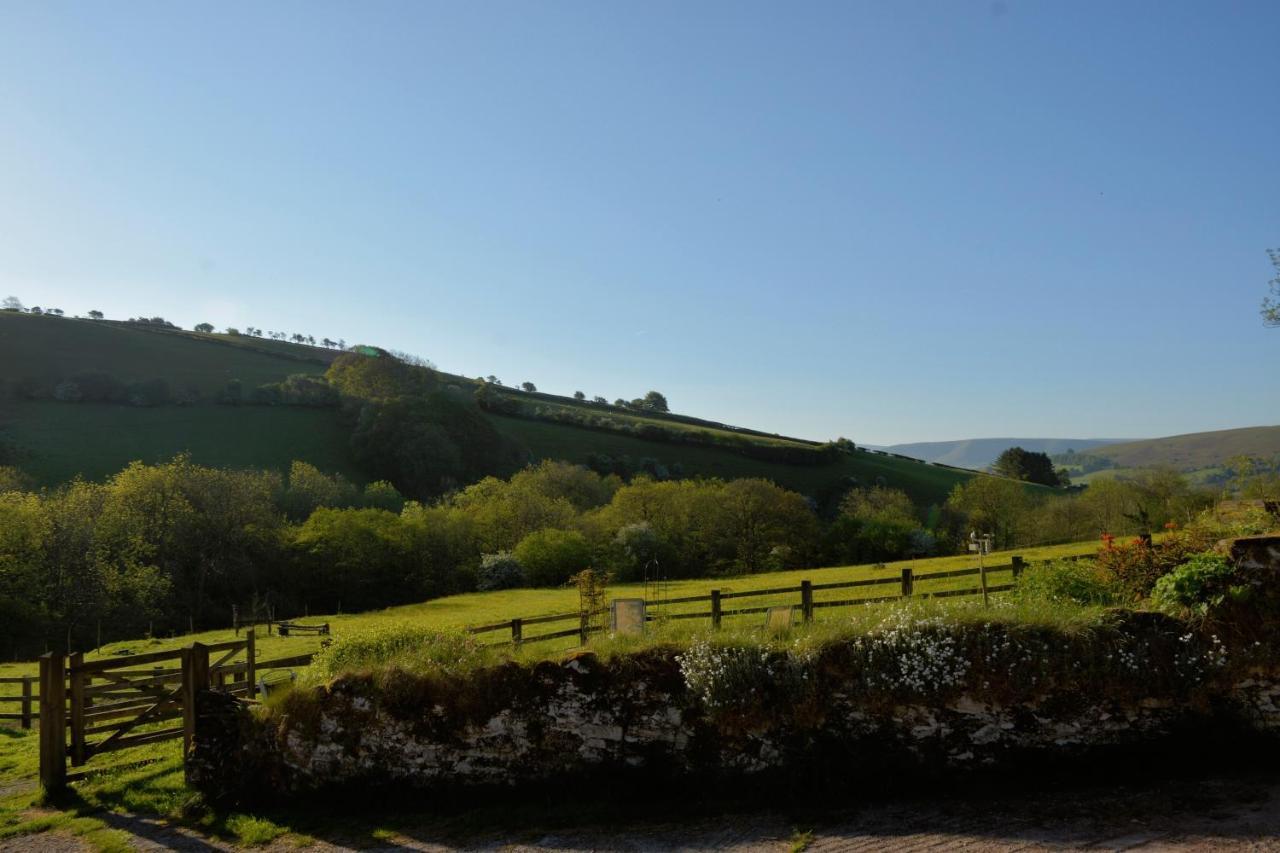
{"points": [[1194, 451], [56, 440]]}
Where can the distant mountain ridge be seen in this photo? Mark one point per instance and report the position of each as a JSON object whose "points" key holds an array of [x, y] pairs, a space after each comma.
{"points": [[978, 453]]}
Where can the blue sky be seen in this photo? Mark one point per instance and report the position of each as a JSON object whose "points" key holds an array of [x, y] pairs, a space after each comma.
{"points": [[890, 221]]}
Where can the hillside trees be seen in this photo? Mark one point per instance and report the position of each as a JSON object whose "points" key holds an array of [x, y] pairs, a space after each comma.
{"points": [[1026, 465], [96, 315], [12, 303], [997, 506], [207, 328], [379, 376]]}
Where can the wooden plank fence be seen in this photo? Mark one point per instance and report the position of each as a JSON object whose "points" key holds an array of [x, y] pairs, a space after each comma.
{"points": [[90, 708], [904, 585], [26, 699]]}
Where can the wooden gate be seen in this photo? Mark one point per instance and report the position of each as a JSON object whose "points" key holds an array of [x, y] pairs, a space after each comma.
{"points": [[90, 708]]}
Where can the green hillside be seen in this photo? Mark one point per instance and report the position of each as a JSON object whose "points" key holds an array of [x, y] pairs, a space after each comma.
{"points": [[57, 441], [54, 441], [50, 348], [1193, 451]]}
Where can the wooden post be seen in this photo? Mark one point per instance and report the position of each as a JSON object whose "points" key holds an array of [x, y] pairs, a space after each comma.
{"points": [[77, 679], [1018, 566], [806, 600], [251, 664], [715, 609], [26, 701], [53, 722], [908, 582], [517, 632], [195, 678], [584, 625], [235, 619]]}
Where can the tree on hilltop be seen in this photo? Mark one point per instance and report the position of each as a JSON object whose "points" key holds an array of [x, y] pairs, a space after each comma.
{"points": [[578, 395], [655, 402], [12, 303], [529, 387], [95, 315], [207, 328]]}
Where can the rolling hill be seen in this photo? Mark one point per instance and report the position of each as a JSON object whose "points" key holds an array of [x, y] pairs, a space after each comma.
{"points": [[55, 441], [978, 453], [1194, 451]]}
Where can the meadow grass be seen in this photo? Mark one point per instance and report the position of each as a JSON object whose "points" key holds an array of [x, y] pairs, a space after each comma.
{"points": [[149, 780], [479, 608]]}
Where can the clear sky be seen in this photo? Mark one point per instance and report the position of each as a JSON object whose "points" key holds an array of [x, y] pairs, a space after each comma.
{"points": [[890, 221]]}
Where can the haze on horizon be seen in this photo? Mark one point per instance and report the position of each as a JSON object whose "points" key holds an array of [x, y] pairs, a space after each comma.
{"points": [[893, 222]]}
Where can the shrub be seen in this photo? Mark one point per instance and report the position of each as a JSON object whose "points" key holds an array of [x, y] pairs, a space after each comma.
{"points": [[1081, 581], [1200, 585], [741, 677], [413, 648], [550, 556], [1134, 565], [499, 571]]}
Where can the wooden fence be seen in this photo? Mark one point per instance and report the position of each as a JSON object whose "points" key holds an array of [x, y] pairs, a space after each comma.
{"points": [[904, 587], [26, 699], [89, 708]]}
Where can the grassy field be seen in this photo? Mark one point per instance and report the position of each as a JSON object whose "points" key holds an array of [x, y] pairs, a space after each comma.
{"points": [[479, 608], [149, 781], [42, 347], [57, 441]]}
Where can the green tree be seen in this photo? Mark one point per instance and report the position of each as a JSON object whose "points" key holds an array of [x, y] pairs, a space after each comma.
{"points": [[654, 402], [1026, 465], [551, 556], [207, 328], [374, 374], [995, 505]]}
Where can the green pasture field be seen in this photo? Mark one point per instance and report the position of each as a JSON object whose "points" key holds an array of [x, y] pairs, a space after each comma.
{"points": [[479, 608], [53, 348], [149, 780], [58, 441]]}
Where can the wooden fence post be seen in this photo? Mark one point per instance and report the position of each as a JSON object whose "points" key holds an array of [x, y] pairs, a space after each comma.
{"points": [[584, 625], [908, 583], [1018, 566], [195, 677], [53, 722], [806, 600], [517, 632], [715, 609], [77, 708], [26, 701], [251, 664]]}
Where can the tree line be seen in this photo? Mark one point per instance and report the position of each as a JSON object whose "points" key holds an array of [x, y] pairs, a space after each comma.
{"points": [[167, 547]]}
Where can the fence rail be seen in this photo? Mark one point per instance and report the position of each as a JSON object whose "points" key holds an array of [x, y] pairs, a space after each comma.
{"points": [[27, 699], [659, 610]]}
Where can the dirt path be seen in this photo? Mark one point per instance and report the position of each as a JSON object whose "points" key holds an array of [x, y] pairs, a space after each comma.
{"points": [[1217, 813]]}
